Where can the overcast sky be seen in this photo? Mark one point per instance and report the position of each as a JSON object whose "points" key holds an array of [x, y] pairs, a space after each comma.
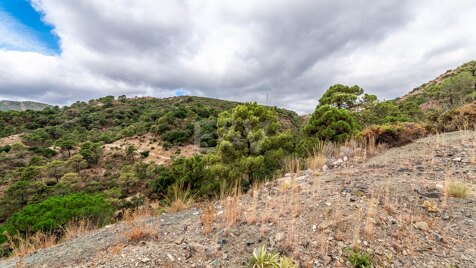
{"points": [[237, 50]]}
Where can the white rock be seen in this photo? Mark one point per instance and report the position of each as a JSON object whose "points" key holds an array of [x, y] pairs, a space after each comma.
{"points": [[457, 159], [338, 162], [422, 225], [345, 158], [279, 237], [171, 258]]}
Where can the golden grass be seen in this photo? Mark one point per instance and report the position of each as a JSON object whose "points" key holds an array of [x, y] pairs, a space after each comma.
{"points": [[116, 249], [24, 246], [457, 189], [207, 218], [180, 200], [77, 228], [140, 232]]}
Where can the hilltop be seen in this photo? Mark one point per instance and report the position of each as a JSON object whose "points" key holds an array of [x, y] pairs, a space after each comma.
{"points": [[7, 105]]}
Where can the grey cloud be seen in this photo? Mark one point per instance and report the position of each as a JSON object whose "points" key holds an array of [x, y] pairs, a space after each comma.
{"points": [[291, 50]]}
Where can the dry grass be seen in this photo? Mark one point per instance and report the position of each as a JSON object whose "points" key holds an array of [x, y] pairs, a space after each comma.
{"points": [[180, 200], [316, 161], [146, 210], [370, 220], [24, 246], [139, 233], [207, 218], [116, 249], [77, 228], [286, 186], [457, 189], [292, 165], [252, 212], [231, 207]]}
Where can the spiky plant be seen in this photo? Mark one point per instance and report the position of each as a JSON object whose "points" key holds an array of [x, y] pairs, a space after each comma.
{"points": [[263, 259]]}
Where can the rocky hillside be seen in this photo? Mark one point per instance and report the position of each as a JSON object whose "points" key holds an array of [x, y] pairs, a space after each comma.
{"points": [[450, 90], [6, 105], [404, 207]]}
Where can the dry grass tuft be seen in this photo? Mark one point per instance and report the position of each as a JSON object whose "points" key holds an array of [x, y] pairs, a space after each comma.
{"points": [[24, 246], [231, 208], [77, 228], [139, 233], [286, 186], [457, 189], [207, 218], [180, 200], [116, 249]]}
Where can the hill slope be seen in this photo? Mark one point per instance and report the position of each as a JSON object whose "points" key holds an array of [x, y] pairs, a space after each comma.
{"points": [[450, 90], [392, 205], [6, 105]]}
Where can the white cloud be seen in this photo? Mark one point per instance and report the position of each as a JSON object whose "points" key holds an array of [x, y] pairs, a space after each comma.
{"points": [[16, 36], [240, 50]]}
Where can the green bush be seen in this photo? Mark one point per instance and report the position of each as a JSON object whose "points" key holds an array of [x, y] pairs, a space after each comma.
{"points": [[329, 123], [360, 260], [262, 258], [55, 212]]}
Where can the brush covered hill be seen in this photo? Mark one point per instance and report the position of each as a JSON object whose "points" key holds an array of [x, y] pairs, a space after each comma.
{"points": [[117, 147], [446, 93], [7, 105]]}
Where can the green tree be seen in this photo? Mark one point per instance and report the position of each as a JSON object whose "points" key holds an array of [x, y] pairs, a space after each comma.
{"points": [[55, 212], [37, 137], [66, 143], [342, 97], [250, 143], [91, 151], [77, 162], [331, 124], [131, 152], [56, 169]]}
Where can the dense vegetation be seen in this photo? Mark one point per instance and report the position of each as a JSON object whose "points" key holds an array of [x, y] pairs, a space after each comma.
{"points": [[55, 212]]}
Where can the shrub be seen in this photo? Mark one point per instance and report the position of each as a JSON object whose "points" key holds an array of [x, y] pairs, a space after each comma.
{"points": [[394, 134], [262, 258], [461, 118], [329, 123], [55, 212], [360, 260], [457, 189], [144, 154]]}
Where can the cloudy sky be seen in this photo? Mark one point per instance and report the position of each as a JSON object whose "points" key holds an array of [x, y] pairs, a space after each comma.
{"points": [[61, 51]]}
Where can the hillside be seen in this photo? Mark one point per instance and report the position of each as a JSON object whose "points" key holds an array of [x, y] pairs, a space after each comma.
{"points": [[450, 90], [119, 147], [396, 206], [6, 105]]}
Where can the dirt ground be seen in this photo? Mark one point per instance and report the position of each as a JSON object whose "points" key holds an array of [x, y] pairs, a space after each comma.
{"points": [[157, 154]]}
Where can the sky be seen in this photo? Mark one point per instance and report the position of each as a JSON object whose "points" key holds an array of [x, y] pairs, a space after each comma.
{"points": [[285, 53]]}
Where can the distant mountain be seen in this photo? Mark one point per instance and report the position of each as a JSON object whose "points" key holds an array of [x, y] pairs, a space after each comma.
{"points": [[7, 105]]}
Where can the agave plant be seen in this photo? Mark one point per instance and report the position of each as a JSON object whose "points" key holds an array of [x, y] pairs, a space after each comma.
{"points": [[263, 259]]}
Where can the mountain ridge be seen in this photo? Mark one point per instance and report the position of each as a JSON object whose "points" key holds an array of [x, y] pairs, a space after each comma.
{"points": [[9, 105]]}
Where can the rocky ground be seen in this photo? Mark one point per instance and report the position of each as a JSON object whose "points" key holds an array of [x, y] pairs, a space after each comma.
{"points": [[391, 205]]}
